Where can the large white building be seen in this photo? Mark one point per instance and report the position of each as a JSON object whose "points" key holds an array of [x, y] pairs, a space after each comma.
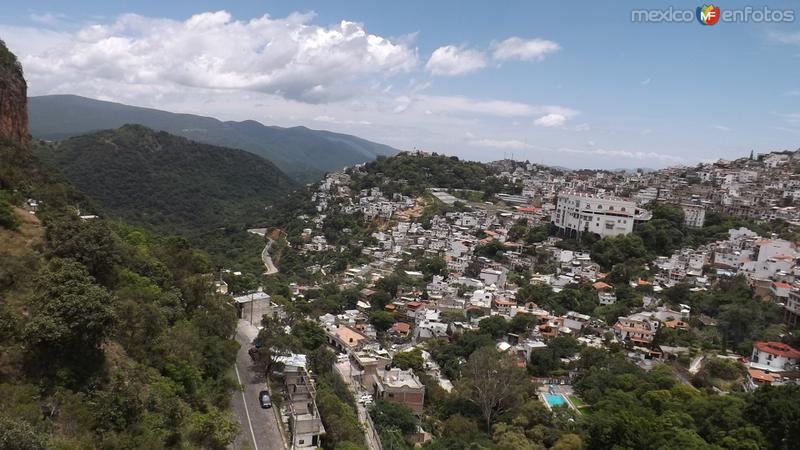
{"points": [[774, 357], [694, 215], [606, 216]]}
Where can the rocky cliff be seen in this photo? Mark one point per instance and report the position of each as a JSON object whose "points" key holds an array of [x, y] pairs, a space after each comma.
{"points": [[13, 99]]}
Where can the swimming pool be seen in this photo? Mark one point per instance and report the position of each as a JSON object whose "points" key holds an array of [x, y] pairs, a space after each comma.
{"points": [[554, 400]]}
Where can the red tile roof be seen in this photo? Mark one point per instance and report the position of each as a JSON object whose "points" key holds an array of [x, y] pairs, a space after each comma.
{"points": [[401, 327], [777, 349], [601, 285]]}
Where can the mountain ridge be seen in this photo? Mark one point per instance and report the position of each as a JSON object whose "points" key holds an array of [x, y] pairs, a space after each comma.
{"points": [[167, 182], [301, 152]]}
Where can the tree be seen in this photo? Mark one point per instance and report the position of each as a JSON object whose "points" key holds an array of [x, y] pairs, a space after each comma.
{"points": [[459, 430], [568, 441], [382, 320], [70, 316], [308, 335], [274, 343], [618, 249], [16, 434], [776, 411], [433, 266], [522, 322], [214, 430], [493, 382], [496, 326], [409, 360], [89, 242], [512, 438], [388, 414], [7, 217]]}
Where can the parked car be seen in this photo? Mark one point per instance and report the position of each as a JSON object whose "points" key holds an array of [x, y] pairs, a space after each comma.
{"points": [[263, 398], [342, 357]]}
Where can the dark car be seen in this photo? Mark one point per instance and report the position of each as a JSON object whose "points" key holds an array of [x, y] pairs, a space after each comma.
{"points": [[263, 398]]}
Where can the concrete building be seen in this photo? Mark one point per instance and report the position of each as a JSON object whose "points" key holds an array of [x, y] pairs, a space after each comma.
{"points": [[305, 423], [345, 338], [774, 357], [254, 306], [638, 328], [792, 307], [399, 386], [581, 213], [694, 215]]}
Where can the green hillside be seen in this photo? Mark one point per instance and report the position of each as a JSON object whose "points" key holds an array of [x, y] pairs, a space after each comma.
{"points": [[110, 335], [300, 152], [167, 182]]}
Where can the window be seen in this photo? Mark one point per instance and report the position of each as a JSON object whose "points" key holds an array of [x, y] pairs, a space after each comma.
{"points": [[301, 442], [623, 209]]}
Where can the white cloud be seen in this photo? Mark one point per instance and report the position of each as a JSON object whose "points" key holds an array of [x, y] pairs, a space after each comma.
{"points": [[792, 93], [582, 127], [550, 120], [451, 61], [47, 18], [461, 105], [722, 128], [504, 144], [639, 156], [645, 82], [515, 48], [792, 38], [288, 57]]}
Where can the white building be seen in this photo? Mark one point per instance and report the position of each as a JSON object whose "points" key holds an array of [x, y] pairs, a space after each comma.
{"points": [[774, 356], [582, 213], [694, 216]]}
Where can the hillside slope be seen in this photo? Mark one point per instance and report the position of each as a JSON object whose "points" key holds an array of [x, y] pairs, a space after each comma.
{"points": [[300, 152], [167, 182], [110, 336]]}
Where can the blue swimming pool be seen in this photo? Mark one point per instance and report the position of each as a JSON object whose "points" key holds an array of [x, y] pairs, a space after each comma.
{"points": [[554, 400]]}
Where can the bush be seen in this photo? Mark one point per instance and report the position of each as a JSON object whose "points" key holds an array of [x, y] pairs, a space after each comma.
{"points": [[8, 219]]}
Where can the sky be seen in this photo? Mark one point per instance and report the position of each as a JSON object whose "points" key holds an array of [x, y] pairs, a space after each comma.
{"points": [[580, 86]]}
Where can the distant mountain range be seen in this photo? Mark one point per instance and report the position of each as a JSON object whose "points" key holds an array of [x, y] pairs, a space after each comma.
{"points": [[302, 153], [166, 182]]}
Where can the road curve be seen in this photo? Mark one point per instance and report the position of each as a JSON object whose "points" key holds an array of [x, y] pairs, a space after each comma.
{"points": [[271, 269]]}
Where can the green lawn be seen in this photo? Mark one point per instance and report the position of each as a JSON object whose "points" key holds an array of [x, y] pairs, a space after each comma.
{"points": [[576, 401]]}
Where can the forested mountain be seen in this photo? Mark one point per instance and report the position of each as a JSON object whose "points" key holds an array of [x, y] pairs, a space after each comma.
{"points": [[167, 182], [110, 336], [302, 153]]}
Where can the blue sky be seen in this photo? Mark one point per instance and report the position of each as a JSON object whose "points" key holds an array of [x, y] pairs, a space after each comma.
{"points": [[580, 87]]}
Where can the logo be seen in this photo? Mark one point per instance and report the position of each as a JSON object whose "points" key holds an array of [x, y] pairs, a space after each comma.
{"points": [[708, 14]]}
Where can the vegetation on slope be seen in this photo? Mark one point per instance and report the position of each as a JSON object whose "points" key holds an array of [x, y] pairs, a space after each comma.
{"points": [[167, 182], [302, 153], [110, 336], [173, 185]]}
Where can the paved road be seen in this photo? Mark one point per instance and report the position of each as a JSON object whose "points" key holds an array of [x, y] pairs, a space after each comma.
{"points": [[271, 269], [259, 427]]}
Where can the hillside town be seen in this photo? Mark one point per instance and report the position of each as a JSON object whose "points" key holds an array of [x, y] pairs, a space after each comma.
{"points": [[525, 266]]}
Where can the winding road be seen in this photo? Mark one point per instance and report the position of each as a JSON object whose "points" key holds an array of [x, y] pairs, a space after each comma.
{"points": [[271, 269]]}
